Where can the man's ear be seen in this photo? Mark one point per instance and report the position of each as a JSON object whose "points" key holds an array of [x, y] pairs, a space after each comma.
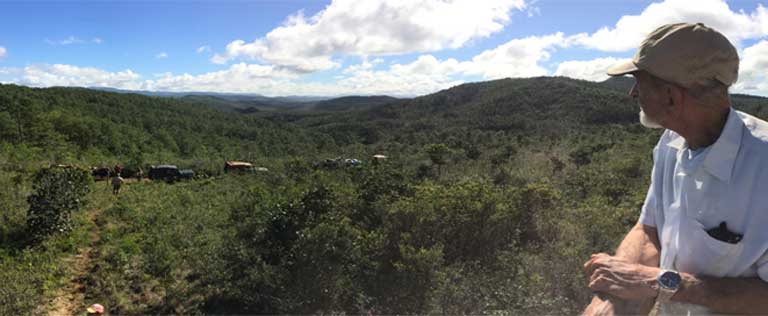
{"points": [[676, 98]]}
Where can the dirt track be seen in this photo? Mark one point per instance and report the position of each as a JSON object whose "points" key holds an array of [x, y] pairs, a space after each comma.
{"points": [[70, 299]]}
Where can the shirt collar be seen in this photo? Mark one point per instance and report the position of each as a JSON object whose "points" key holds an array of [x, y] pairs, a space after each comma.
{"points": [[677, 143], [720, 159], [722, 155]]}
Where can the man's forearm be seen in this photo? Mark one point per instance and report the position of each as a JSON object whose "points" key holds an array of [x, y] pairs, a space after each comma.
{"points": [[725, 295], [641, 245]]}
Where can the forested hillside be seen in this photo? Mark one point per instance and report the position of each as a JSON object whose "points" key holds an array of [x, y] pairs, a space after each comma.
{"points": [[72, 124], [491, 198], [352, 103]]}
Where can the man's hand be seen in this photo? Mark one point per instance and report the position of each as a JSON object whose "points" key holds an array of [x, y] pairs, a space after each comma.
{"points": [[639, 249], [618, 277], [600, 306]]}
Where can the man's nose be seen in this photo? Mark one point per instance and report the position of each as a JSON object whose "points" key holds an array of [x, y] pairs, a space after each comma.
{"points": [[633, 92]]}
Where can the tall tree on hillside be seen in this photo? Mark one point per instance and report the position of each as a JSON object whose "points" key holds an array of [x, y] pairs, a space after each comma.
{"points": [[7, 128], [22, 112], [8, 105], [438, 154]]}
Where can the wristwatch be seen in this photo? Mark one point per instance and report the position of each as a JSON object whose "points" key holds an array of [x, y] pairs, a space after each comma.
{"points": [[669, 282]]}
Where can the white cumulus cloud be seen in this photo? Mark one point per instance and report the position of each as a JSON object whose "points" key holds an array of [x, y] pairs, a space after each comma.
{"points": [[258, 50], [630, 30], [427, 74], [366, 28], [240, 77], [516, 58], [3, 52], [753, 70], [68, 75], [593, 70], [161, 55]]}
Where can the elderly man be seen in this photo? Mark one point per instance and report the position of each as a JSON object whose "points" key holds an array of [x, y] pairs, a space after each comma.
{"points": [[700, 244]]}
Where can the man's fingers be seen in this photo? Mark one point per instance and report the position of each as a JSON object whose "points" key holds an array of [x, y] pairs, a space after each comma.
{"points": [[600, 255], [602, 284], [596, 285], [597, 261], [587, 264], [599, 307], [599, 272], [590, 266]]}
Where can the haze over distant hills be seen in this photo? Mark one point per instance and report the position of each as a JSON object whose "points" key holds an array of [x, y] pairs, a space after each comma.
{"points": [[250, 103]]}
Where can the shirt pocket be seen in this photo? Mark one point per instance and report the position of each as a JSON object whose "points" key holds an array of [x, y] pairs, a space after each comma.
{"points": [[701, 253]]}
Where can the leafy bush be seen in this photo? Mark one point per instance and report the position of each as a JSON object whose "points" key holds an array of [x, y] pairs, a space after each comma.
{"points": [[58, 191]]}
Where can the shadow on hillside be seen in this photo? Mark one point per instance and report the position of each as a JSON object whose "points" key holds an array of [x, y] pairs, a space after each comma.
{"points": [[15, 239]]}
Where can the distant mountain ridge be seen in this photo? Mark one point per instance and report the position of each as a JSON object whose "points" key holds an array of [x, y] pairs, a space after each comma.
{"points": [[353, 103], [223, 95], [543, 106], [230, 102], [620, 84], [252, 103]]}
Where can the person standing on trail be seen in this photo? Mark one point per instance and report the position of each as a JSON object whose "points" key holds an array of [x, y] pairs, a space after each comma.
{"points": [[700, 245], [95, 310], [117, 181]]}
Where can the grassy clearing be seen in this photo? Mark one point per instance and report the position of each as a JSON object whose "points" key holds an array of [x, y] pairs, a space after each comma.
{"points": [[158, 242]]}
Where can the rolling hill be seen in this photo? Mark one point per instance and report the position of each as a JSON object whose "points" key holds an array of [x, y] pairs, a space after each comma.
{"points": [[353, 103]]}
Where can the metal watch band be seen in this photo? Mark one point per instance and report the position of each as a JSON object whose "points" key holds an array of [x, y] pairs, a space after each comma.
{"points": [[665, 295]]}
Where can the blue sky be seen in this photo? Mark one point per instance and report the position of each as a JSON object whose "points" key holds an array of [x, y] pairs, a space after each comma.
{"points": [[344, 47]]}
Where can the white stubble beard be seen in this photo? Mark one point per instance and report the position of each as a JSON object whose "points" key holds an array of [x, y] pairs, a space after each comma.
{"points": [[648, 122]]}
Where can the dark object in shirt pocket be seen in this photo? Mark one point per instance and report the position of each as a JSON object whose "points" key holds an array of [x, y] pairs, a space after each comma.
{"points": [[722, 233]]}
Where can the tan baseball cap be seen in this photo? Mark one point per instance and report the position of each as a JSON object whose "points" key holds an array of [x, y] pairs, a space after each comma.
{"points": [[684, 53]]}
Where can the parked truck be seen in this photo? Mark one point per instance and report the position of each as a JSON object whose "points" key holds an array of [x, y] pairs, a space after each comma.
{"points": [[170, 173]]}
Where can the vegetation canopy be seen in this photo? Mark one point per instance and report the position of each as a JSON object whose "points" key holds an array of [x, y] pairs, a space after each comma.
{"points": [[491, 197]]}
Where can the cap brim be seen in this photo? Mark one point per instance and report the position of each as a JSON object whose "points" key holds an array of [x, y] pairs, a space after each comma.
{"points": [[90, 310], [622, 69]]}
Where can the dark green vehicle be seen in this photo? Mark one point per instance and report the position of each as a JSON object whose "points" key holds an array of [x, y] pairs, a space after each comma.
{"points": [[170, 173]]}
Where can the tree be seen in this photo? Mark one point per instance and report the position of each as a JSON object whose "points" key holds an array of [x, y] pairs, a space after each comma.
{"points": [[9, 105], [6, 126], [438, 153], [58, 192], [23, 112]]}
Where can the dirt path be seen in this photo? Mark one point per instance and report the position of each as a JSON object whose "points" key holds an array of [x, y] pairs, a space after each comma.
{"points": [[70, 299]]}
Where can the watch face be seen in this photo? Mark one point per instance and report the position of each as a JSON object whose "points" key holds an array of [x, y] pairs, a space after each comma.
{"points": [[670, 279]]}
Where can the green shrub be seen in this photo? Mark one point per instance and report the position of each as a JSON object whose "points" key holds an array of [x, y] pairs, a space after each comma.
{"points": [[58, 191]]}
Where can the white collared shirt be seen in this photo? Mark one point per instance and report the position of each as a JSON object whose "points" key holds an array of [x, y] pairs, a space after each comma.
{"points": [[727, 185]]}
